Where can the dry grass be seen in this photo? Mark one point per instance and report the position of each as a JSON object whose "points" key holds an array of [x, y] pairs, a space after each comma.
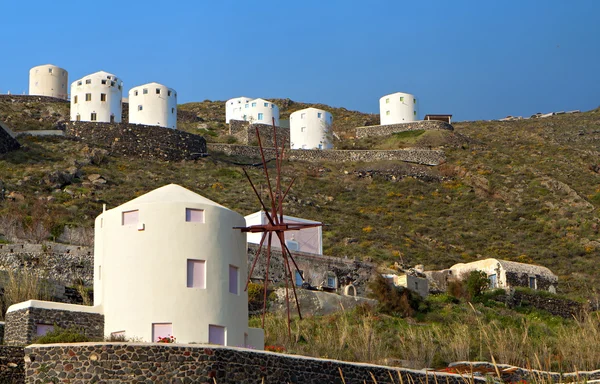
{"points": [[23, 286]]}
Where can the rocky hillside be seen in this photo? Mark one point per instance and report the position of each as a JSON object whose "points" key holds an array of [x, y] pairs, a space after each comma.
{"points": [[522, 190]]}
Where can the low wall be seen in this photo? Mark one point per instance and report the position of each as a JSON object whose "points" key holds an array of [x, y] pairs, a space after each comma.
{"points": [[139, 140], [7, 140], [386, 130], [12, 364], [21, 324], [246, 133], [418, 156], [164, 363], [557, 306], [314, 268], [30, 99]]}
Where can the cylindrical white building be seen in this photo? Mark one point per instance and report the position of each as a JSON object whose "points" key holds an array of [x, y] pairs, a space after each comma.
{"points": [[153, 104], [310, 128], [170, 263], [256, 111], [49, 80], [234, 108], [398, 108], [97, 97]]}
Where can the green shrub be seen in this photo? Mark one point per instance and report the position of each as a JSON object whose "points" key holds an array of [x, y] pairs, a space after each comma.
{"points": [[476, 284], [394, 300], [62, 335]]}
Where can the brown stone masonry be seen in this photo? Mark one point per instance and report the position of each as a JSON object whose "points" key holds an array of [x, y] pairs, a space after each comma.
{"points": [[385, 130]]}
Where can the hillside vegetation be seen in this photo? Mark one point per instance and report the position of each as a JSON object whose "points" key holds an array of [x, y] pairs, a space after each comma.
{"points": [[523, 190]]}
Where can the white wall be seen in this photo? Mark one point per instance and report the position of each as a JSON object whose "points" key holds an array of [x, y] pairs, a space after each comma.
{"points": [[96, 85], [258, 111], [310, 129], [153, 104], [140, 271], [49, 80], [309, 240], [398, 108]]}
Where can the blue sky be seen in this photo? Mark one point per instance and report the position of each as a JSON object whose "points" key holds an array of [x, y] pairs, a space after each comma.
{"points": [[473, 59]]}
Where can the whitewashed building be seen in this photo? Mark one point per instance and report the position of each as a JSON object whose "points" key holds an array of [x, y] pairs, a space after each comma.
{"points": [[256, 111], [191, 286], [398, 108], [309, 240], [49, 80], [153, 104], [97, 97], [310, 128]]}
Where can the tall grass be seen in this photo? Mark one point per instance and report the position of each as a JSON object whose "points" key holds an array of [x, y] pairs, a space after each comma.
{"points": [[23, 286], [366, 336]]}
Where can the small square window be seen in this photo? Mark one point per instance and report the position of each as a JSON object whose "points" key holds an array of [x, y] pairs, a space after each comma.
{"points": [[103, 97], [196, 274], [387, 113], [319, 114], [50, 70], [158, 91], [254, 104], [302, 115], [260, 116], [401, 98], [78, 117], [169, 94], [303, 129], [140, 107], [216, 334], [414, 101], [93, 116], [88, 97], [119, 87], [135, 93], [194, 215], [145, 91], [130, 217], [42, 329], [75, 100], [233, 279], [266, 104], [272, 105], [103, 82], [88, 81], [246, 106], [414, 113], [387, 101], [79, 82], [112, 83], [172, 110], [161, 330]]}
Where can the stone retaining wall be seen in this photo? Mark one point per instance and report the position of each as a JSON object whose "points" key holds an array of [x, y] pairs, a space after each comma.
{"points": [[418, 156], [246, 133], [164, 363], [139, 140], [21, 325], [7, 140], [557, 306], [386, 130], [12, 364], [315, 268], [31, 99]]}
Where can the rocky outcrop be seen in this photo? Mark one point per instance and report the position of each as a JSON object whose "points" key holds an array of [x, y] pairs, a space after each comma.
{"points": [[7, 140]]}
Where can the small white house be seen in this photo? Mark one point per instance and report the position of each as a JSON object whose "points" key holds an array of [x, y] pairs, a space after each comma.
{"points": [[256, 111], [309, 240], [171, 263], [398, 108], [153, 104], [310, 128], [49, 80], [97, 97]]}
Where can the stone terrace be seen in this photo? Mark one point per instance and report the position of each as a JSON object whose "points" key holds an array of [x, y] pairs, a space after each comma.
{"points": [[386, 130]]}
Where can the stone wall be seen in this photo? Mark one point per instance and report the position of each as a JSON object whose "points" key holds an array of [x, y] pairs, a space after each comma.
{"points": [[31, 99], [21, 325], [12, 364], [7, 140], [246, 133], [386, 130], [555, 305], [60, 263], [139, 140], [418, 156], [516, 279], [171, 363], [315, 268]]}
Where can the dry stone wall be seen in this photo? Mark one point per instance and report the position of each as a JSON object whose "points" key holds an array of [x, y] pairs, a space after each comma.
{"points": [[12, 364], [418, 156], [21, 325], [167, 363], [7, 140], [31, 99], [386, 130], [246, 133], [139, 140]]}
